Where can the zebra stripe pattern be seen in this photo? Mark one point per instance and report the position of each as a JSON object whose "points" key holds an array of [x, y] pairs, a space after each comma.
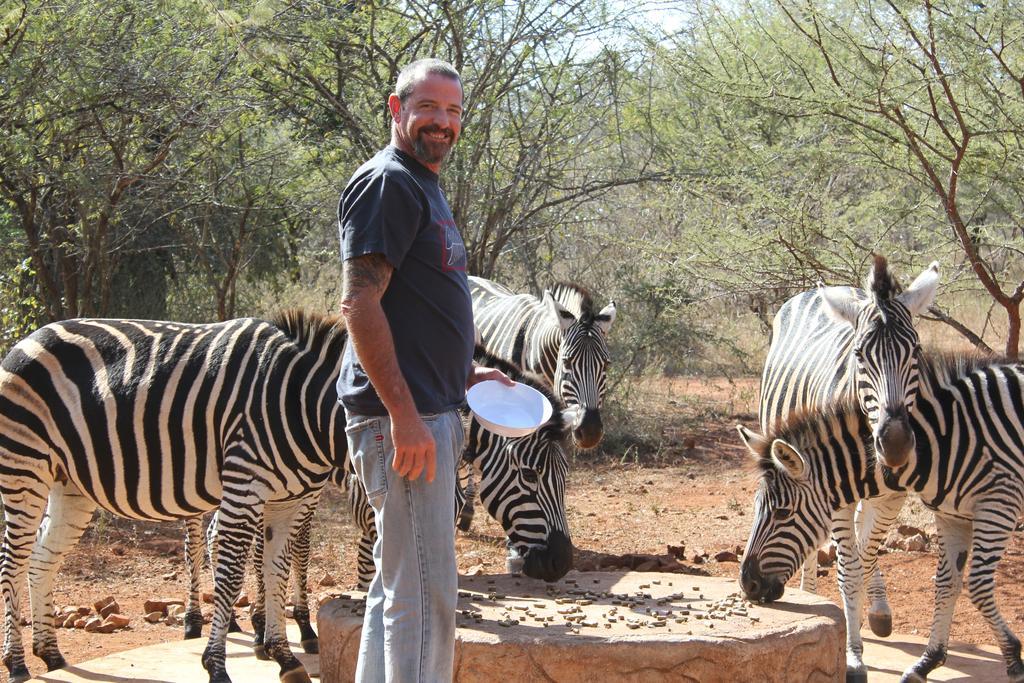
{"points": [[968, 466], [843, 343], [156, 421], [559, 337]]}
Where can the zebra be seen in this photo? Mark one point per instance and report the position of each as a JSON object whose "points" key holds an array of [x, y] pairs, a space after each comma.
{"points": [[156, 421], [559, 337], [522, 482], [967, 466], [836, 343]]}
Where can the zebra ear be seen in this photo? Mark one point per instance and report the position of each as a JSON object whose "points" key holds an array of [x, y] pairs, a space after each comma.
{"points": [[840, 304], [921, 293], [562, 315], [605, 318], [754, 442], [788, 457]]}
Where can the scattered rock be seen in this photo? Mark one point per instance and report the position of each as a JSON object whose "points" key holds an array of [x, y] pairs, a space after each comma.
{"points": [[100, 604], [81, 622], [917, 543], [326, 581], [175, 610], [92, 624], [170, 576], [475, 570], [906, 531], [827, 556], [161, 604], [208, 598], [110, 608], [242, 601], [677, 551], [117, 620], [154, 617], [726, 556]]}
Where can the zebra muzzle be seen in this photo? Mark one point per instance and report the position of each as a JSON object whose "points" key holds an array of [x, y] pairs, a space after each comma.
{"points": [[756, 586], [894, 441], [588, 431], [547, 562]]}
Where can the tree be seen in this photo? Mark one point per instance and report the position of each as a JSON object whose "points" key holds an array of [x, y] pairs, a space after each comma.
{"points": [[94, 99], [928, 94]]}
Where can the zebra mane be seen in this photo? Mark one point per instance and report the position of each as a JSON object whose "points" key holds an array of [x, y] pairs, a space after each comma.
{"points": [[307, 328], [883, 286], [576, 299], [947, 366], [515, 373], [805, 425]]}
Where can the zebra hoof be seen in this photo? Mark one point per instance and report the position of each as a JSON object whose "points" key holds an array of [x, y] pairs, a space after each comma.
{"points": [[260, 651], [1016, 672], [913, 677], [297, 675], [191, 632], [55, 663], [856, 676], [311, 646], [19, 674], [881, 624]]}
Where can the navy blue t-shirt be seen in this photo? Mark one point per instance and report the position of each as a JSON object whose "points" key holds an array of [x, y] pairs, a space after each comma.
{"points": [[394, 206]]}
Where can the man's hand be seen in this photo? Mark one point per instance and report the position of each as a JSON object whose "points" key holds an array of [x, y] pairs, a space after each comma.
{"points": [[415, 450], [479, 373]]}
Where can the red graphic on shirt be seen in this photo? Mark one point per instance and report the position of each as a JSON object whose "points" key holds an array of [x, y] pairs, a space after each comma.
{"points": [[453, 250]]}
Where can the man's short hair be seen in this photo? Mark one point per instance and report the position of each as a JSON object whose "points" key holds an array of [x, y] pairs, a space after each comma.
{"points": [[411, 73]]}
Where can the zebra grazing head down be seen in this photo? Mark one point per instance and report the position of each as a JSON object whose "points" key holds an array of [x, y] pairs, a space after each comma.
{"points": [[583, 359], [522, 483], [886, 350], [793, 506]]}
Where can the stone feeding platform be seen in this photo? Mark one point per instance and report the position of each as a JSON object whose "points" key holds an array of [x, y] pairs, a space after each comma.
{"points": [[633, 626]]}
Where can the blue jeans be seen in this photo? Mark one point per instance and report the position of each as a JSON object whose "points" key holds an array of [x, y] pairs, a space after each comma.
{"points": [[409, 627]]}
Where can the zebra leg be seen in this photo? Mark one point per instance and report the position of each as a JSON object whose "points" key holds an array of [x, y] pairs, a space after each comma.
{"points": [[193, 565], [300, 593], [992, 529], [282, 523], [300, 597], [954, 538], [465, 496], [211, 555], [237, 519], [362, 514], [258, 611], [24, 501], [875, 517], [809, 573], [68, 513], [850, 573]]}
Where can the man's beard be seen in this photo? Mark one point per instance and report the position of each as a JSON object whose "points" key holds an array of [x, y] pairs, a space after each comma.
{"points": [[428, 151]]}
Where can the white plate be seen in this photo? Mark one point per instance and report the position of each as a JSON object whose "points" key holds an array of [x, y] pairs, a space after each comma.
{"points": [[508, 411]]}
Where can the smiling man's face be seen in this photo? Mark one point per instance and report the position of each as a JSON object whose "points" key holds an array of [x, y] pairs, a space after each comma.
{"points": [[428, 122]]}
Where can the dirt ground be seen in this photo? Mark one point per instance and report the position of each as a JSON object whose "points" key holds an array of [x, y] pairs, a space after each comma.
{"points": [[677, 509]]}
